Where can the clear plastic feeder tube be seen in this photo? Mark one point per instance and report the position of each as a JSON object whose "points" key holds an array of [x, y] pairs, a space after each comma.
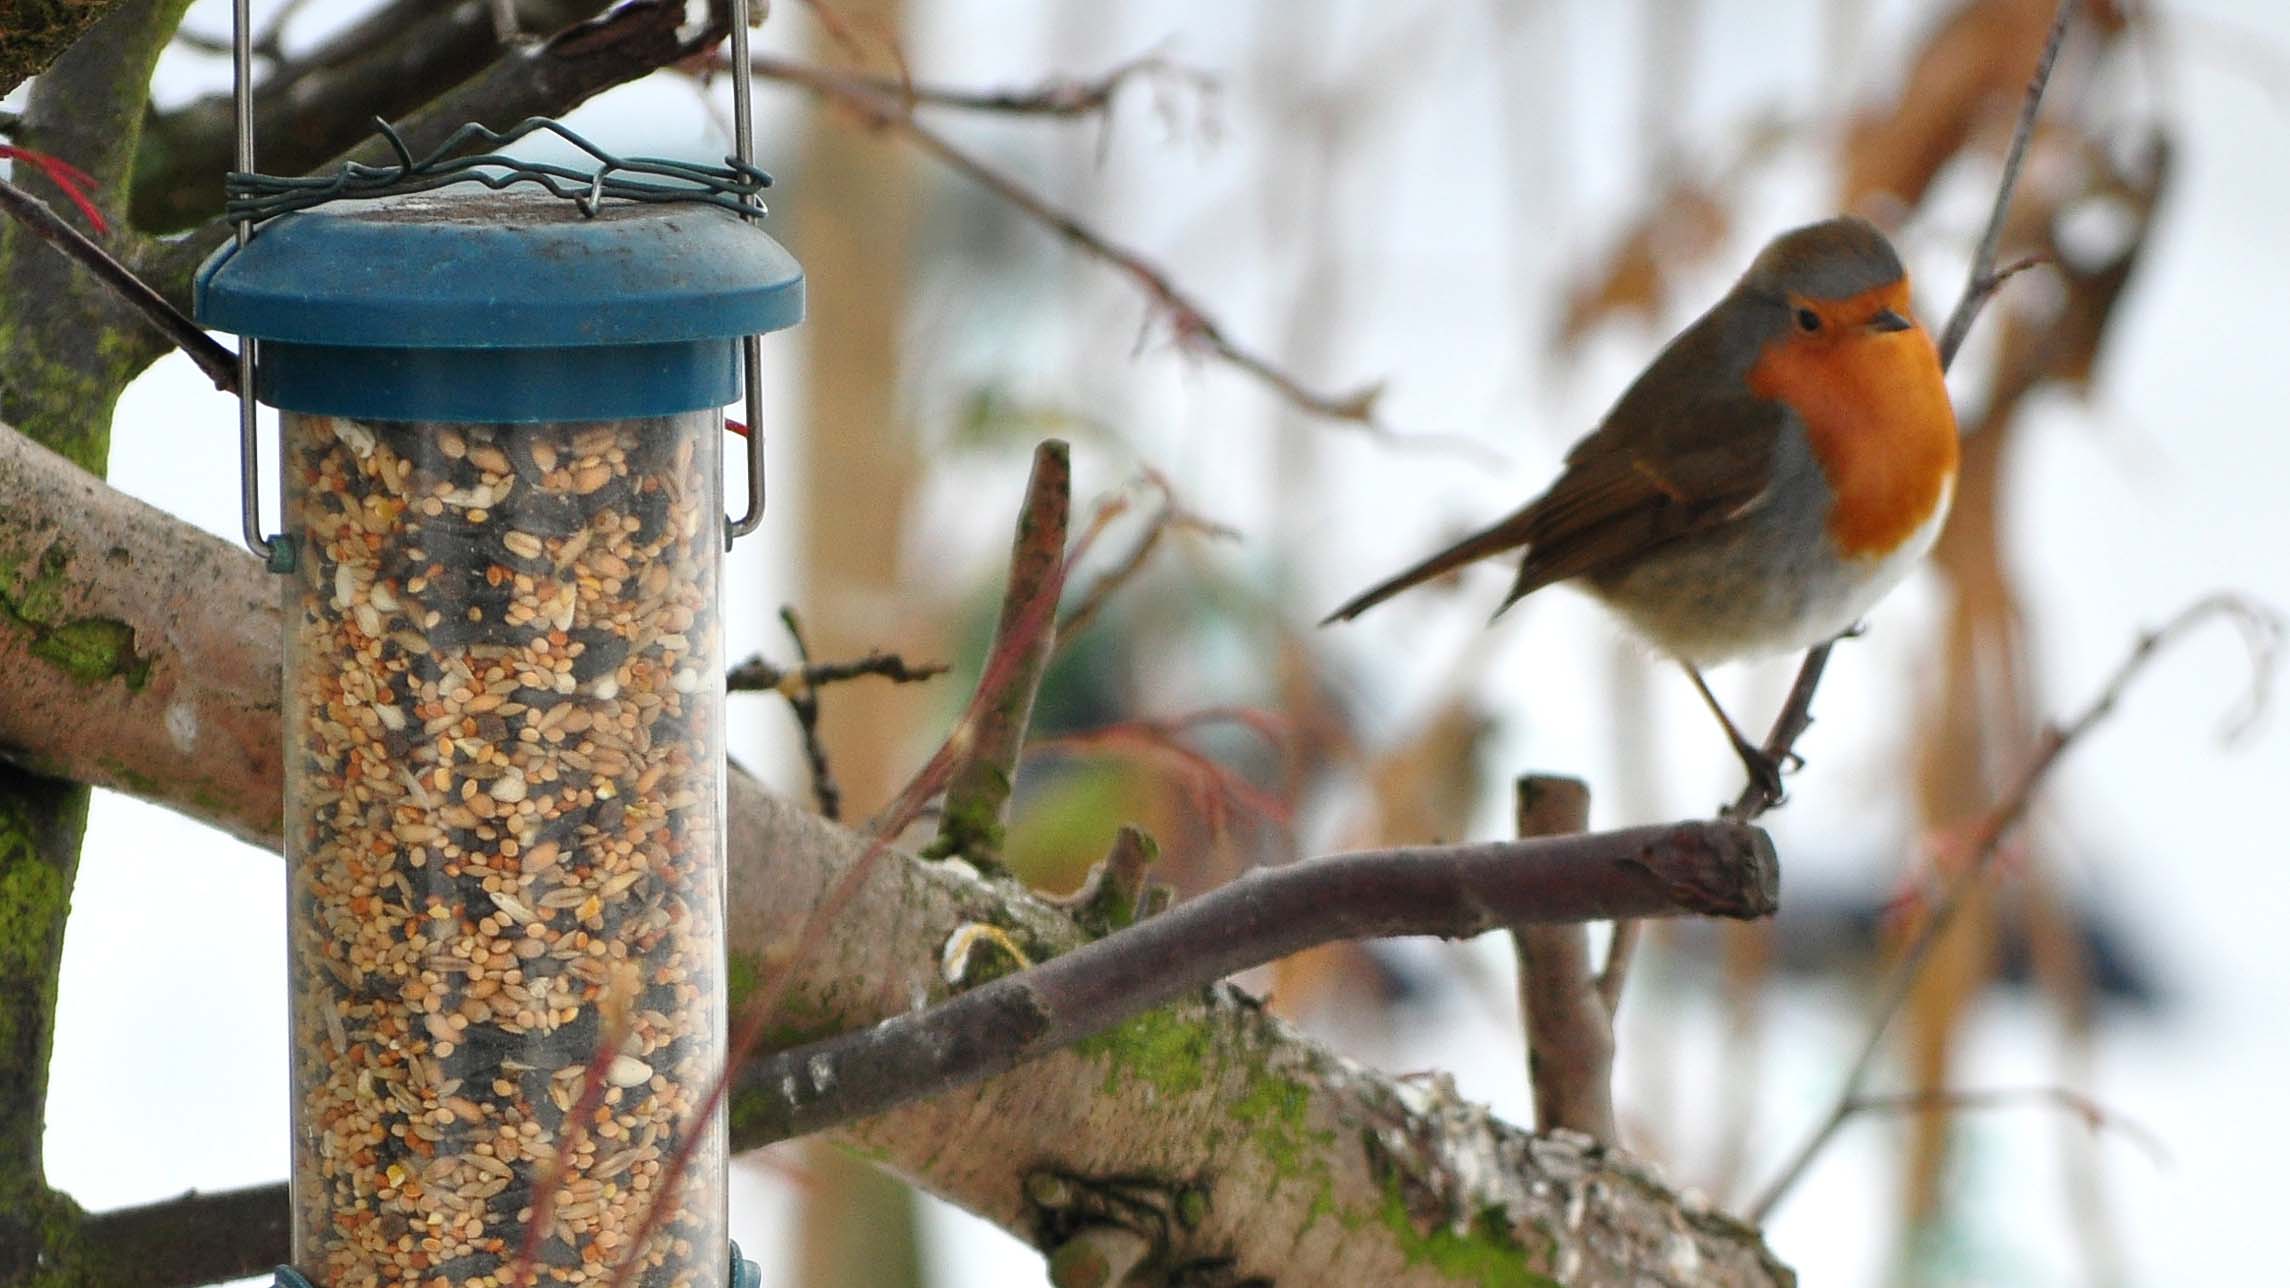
{"points": [[504, 736]]}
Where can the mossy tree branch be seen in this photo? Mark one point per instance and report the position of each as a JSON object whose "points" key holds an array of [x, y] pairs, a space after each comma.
{"points": [[67, 348]]}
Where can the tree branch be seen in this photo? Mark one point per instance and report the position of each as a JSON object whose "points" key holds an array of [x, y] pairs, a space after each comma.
{"points": [[194, 1239], [1062, 97], [1300, 1165], [1188, 319], [986, 761], [2261, 631], [1167, 515], [1570, 1042], [1455, 892], [1981, 281], [2090, 1112], [759, 676]]}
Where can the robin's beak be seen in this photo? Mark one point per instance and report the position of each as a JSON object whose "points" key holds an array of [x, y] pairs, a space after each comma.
{"points": [[1887, 320]]}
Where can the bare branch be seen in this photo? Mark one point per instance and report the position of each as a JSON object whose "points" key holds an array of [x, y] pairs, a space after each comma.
{"points": [[220, 364], [2093, 1115], [1981, 280], [1062, 97], [1168, 516], [803, 700], [1612, 976], [1682, 869], [1570, 1043], [195, 1238], [1188, 319], [759, 676], [986, 762], [2261, 631]]}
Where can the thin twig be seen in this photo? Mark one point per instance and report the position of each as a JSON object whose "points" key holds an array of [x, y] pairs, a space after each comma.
{"points": [[1616, 972], [1188, 319], [804, 702], [1981, 281], [1214, 789], [1168, 516], [759, 676], [1062, 97], [1455, 891], [2094, 1115], [2261, 632], [220, 364]]}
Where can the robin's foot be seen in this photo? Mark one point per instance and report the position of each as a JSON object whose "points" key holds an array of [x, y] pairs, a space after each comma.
{"points": [[1764, 770]]}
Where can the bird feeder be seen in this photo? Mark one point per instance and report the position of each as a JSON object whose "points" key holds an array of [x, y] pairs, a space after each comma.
{"points": [[501, 437]]}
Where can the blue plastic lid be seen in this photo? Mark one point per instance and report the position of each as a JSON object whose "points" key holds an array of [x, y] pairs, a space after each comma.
{"points": [[501, 306]]}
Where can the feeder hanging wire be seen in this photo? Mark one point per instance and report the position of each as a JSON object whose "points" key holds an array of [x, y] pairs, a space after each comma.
{"points": [[736, 185]]}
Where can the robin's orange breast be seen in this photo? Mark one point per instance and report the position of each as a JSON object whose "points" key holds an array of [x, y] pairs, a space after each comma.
{"points": [[1876, 415]]}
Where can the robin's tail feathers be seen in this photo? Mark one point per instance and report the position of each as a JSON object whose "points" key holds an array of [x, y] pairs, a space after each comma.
{"points": [[1510, 534]]}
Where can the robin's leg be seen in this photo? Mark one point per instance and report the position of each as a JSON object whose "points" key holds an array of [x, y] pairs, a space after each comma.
{"points": [[1764, 770]]}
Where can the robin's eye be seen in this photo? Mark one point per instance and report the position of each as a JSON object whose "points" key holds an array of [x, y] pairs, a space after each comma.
{"points": [[1808, 321]]}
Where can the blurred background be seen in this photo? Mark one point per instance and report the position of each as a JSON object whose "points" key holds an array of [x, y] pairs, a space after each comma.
{"points": [[1350, 278]]}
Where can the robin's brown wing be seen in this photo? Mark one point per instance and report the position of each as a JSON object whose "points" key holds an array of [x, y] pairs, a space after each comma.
{"points": [[1621, 499], [1613, 504], [1668, 460]]}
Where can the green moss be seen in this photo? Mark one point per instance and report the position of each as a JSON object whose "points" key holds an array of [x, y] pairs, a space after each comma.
{"points": [[1486, 1254], [91, 650], [94, 649], [34, 898], [33, 1217], [1274, 1112], [971, 830], [1165, 1050]]}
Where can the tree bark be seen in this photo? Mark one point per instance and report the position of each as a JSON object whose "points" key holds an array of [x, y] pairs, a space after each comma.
{"points": [[67, 348], [1256, 1147]]}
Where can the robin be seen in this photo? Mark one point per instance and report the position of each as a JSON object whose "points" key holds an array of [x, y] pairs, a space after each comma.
{"points": [[1775, 470]]}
